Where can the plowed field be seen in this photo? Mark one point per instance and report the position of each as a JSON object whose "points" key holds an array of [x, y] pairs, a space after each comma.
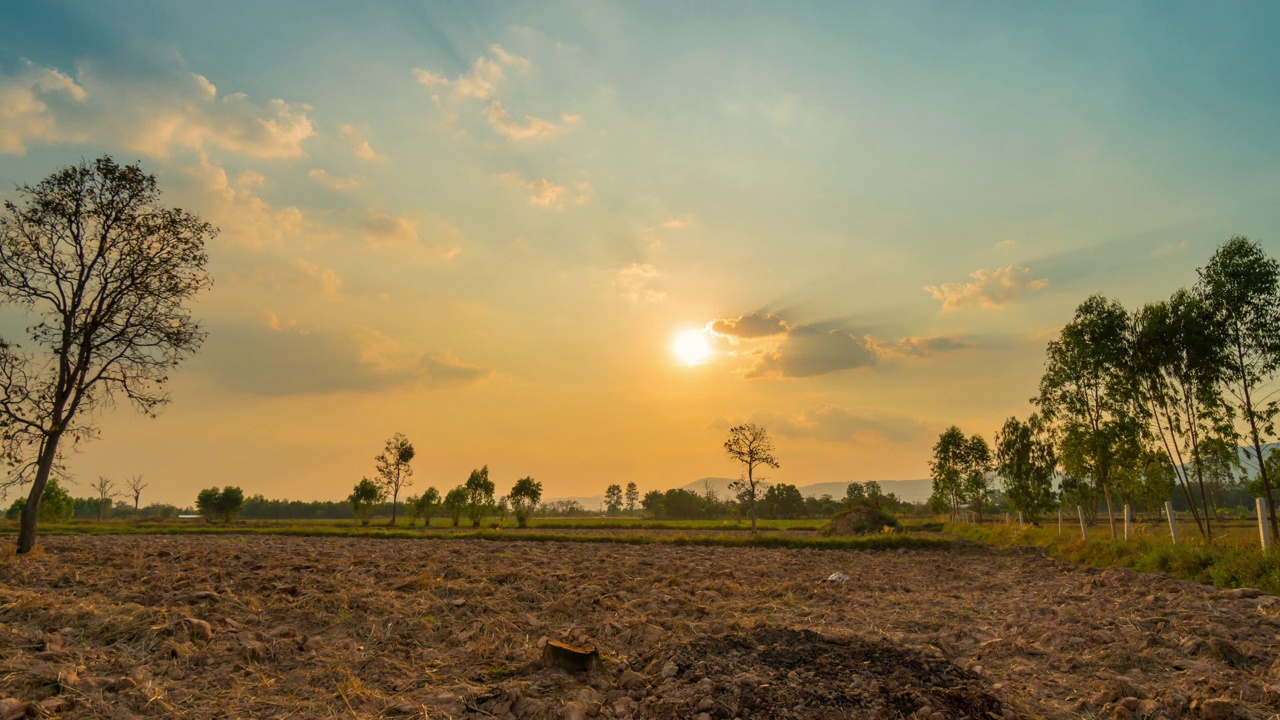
{"points": [[276, 627]]}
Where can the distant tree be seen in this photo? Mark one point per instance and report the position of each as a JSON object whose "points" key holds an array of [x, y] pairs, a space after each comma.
{"points": [[136, 486], [425, 505], [750, 445], [633, 498], [224, 505], [1086, 392], [57, 505], [652, 502], [455, 503], [855, 494], [875, 495], [106, 491], [1025, 461], [1241, 288], [102, 272], [613, 499], [948, 468], [366, 495], [479, 495], [681, 504], [977, 463], [783, 501], [525, 497], [394, 471]]}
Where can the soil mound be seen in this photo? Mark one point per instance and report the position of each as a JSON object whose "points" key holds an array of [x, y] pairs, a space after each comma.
{"points": [[860, 520], [779, 672]]}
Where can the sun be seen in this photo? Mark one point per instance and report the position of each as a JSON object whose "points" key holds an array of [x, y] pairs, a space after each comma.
{"points": [[691, 347]]}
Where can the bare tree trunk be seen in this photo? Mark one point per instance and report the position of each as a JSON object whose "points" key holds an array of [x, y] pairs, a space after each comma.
{"points": [[30, 513], [1262, 472], [394, 496], [1111, 518]]}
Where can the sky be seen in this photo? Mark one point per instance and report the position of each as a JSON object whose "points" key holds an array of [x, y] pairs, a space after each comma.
{"points": [[578, 241]]}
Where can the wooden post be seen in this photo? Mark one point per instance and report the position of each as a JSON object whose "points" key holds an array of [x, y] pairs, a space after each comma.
{"points": [[1021, 524], [1128, 523], [1059, 522], [1264, 529], [1084, 531], [1173, 521]]}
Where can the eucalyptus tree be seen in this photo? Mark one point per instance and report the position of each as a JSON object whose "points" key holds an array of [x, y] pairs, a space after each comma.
{"points": [[1178, 364], [977, 464], [1241, 286], [394, 470], [479, 495], [103, 272], [947, 467], [1086, 396], [1025, 461]]}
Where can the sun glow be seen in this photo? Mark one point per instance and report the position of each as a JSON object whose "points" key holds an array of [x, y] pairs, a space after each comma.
{"points": [[691, 347]]}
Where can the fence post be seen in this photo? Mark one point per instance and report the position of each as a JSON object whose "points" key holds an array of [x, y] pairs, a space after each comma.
{"points": [[1173, 521], [1021, 524], [1084, 531], [1264, 529], [1059, 522], [1128, 523]]}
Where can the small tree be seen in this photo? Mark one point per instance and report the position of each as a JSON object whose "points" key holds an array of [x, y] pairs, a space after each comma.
{"points": [[103, 272], [855, 494], [455, 503], [222, 505], [977, 463], [479, 495], [106, 491], [633, 498], [366, 495], [57, 505], [426, 505], [947, 468], [394, 471], [1025, 460], [750, 445], [875, 495], [613, 499], [524, 498], [136, 486]]}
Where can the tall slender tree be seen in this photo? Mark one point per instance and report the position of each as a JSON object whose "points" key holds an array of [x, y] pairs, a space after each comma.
{"points": [[136, 486], [947, 468], [1241, 286], [394, 470], [750, 445]]}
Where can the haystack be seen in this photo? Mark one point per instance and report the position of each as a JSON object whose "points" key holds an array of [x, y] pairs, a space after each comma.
{"points": [[860, 520]]}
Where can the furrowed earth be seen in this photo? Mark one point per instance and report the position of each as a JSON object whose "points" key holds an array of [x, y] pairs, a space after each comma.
{"points": [[296, 627]]}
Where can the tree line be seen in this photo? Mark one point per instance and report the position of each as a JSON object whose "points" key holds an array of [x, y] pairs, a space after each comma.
{"points": [[1136, 406]]}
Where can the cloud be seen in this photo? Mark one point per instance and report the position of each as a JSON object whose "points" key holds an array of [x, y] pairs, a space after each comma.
{"points": [[384, 231], [482, 80], [324, 278], [990, 289], [753, 325], [242, 217], [151, 115], [354, 137], [446, 369], [1007, 244], [925, 346], [531, 128], [547, 194], [636, 280], [341, 184], [806, 351], [834, 424]]}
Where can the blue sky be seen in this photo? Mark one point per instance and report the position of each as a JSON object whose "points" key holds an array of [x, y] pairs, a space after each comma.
{"points": [[482, 224]]}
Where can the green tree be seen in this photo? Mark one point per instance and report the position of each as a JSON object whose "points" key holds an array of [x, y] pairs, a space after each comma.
{"points": [[855, 494], [633, 498], [948, 467], [394, 471], [366, 495], [57, 505], [1241, 287], [652, 502], [613, 499], [103, 273], [1179, 363], [1086, 394], [783, 501], [455, 503], [750, 445], [1025, 461], [425, 505], [479, 495], [976, 485], [524, 497], [874, 493], [224, 505]]}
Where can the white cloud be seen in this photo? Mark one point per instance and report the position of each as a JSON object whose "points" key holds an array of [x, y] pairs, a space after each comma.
{"points": [[990, 289], [355, 138], [547, 194], [324, 278], [482, 80], [531, 128], [243, 217], [636, 282], [341, 184], [151, 115]]}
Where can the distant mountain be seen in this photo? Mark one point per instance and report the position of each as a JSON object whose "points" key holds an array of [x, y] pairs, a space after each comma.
{"points": [[908, 490]]}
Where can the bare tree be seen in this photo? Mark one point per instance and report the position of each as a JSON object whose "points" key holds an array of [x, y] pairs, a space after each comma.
{"points": [[393, 468], [106, 491], [136, 486], [103, 272], [750, 445]]}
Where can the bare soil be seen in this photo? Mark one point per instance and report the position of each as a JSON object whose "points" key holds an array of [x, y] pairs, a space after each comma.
{"points": [[237, 626]]}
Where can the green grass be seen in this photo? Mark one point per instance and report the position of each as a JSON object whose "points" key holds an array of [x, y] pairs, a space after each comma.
{"points": [[869, 542], [1235, 559]]}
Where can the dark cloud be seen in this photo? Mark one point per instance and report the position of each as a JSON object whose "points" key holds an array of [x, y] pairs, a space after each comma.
{"points": [[807, 351], [923, 346], [750, 326]]}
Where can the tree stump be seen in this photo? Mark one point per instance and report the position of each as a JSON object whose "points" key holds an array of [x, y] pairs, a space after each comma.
{"points": [[568, 657]]}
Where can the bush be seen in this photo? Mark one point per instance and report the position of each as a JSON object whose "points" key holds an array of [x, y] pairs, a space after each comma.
{"points": [[859, 520]]}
